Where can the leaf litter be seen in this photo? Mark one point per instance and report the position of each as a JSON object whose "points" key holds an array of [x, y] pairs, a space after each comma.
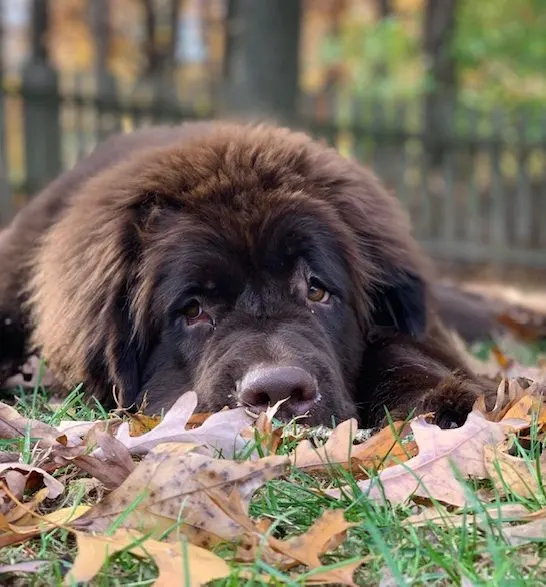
{"points": [[177, 486]]}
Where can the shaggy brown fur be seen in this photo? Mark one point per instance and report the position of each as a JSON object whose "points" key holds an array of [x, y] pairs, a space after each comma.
{"points": [[196, 257]]}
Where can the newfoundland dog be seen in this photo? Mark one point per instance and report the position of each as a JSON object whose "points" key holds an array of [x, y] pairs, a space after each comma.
{"points": [[246, 262]]}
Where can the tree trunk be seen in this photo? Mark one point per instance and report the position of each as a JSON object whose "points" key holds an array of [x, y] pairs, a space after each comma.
{"points": [[440, 97], [262, 58], [151, 49]]}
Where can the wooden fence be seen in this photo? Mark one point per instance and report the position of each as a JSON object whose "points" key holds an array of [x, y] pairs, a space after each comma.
{"points": [[475, 194]]}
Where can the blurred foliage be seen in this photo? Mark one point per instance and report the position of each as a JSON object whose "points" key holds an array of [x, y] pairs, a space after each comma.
{"points": [[379, 58], [499, 47]]}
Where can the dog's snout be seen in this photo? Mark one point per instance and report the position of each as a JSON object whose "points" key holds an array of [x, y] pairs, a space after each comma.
{"points": [[265, 386]]}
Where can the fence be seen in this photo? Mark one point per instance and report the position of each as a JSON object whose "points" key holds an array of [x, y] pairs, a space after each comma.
{"points": [[476, 194]]}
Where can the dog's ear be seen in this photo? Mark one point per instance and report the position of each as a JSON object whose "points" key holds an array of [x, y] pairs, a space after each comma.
{"points": [[400, 307], [122, 353]]}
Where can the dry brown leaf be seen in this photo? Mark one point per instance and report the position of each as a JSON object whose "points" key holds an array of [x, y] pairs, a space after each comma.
{"points": [[19, 513], [340, 576], [440, 516], [174, 561], [430, 473], [220, 432], [68, 433], [14, 533], [385, 449], [171, 484], [262, 430], [326, 534], [529, 408], [112, 469], [18, 477], [78, 431], [510, 473], [139, 424], [381, 449], [13, 425], [524, 533], [34, 566]]}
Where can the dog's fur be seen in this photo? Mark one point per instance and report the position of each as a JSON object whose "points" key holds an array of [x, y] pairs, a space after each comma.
{"points": [[98, 270]]}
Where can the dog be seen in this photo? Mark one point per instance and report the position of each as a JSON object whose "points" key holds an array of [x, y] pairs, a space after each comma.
{"points": [[246, 262]]}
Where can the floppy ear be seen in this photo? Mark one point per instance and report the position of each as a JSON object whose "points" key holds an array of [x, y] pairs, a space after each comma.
{"points": [[122, 352], [400, 307]]}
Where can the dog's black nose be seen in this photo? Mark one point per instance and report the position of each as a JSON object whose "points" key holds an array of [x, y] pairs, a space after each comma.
{"points": [[265, 386]]}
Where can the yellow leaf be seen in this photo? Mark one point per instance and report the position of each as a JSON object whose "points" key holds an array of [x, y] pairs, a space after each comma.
{"points": [[174, 561]]}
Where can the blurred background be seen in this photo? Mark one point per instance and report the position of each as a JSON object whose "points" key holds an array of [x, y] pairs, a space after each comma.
{"points": [[445, 99]]}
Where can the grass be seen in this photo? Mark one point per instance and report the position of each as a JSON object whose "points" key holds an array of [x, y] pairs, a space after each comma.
{"points": [[396, 553]]}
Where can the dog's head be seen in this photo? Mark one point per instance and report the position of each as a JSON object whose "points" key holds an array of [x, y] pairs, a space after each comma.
{"points": [[250, 265]]}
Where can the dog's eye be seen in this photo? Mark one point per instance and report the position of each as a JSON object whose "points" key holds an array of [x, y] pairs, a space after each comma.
{"points": [[193, 312], [316, 292]]}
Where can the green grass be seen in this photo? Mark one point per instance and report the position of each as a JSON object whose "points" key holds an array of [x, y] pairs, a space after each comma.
{"points": [[408, 555]]}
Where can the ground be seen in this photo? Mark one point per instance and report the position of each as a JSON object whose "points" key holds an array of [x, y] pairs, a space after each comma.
{"points": [[468, 550]]}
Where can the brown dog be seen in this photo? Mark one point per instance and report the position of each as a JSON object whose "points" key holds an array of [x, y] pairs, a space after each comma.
{"points": [[248, 263]]}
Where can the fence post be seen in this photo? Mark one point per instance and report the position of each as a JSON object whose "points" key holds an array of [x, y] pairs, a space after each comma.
{"points": [[41, 106], [6, 198], [108, 117]]}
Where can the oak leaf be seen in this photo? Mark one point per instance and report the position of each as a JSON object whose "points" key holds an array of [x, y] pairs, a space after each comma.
{"points": [[18, 476], [533, 531], [439, 515], [170, 486], [430, 473], [339, 576], [325, 534], [175, 562], [513, 474], [13, 425], [32, 524], [112, 468], [382, 449], [220, 431]]}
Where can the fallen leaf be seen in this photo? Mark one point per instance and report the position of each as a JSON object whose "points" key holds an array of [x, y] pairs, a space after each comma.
{"points": [[170, 485], [440, 516], [340, 576], [15, 532], [19, 513], [114, 466], [430, 473], [139, 424], [530, 408], [18, 475], [513, 474], [174, 561], [381, 449], [262, 430], [25, 567], [525, 533], [220, 432], [13, 425], [326, 534]]}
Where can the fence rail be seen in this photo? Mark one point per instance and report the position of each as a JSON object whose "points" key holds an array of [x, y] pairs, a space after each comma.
{"points": [[475, 194]]}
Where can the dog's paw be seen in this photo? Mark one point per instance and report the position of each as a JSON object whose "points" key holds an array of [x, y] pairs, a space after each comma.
{"points": [[452, 401]]}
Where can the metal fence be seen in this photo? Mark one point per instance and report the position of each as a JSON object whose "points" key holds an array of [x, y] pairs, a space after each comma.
{"points": [[476, 195]]}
